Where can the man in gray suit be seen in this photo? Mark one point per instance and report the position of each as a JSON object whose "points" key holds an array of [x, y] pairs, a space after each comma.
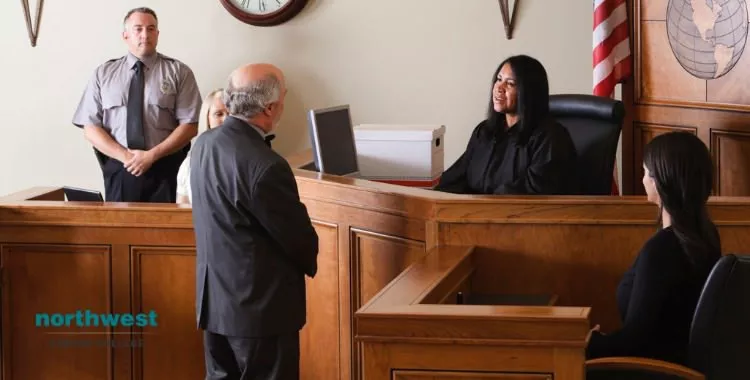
{"points": [[255, 241]]}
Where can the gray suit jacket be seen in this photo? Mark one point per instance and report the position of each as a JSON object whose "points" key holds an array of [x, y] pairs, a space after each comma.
{"points": [[254, 239]]}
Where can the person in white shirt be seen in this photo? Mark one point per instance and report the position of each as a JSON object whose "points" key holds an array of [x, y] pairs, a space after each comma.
{"points": [[212, 115]]}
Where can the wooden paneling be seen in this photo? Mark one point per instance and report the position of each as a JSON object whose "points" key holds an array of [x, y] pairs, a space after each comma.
{"points": [[528, 244], [51, 279], [465, 375], [323, 312], [159, 271], [580, 274], [644, 133], [731, 88], [654, 10], [378, 259], [164, 282], [539, 248], [661, 77], [666, 82], [667, 94], [401, 328], [731, 151]]}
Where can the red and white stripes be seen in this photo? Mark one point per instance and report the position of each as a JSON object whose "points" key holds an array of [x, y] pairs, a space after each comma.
{"points": [[612, 59]]}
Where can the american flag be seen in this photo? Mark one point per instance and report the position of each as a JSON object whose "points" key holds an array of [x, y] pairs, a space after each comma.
{"points": [[612, 59]]}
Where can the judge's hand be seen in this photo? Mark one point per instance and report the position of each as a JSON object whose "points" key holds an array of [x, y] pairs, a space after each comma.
{"points": [[139, 162]]}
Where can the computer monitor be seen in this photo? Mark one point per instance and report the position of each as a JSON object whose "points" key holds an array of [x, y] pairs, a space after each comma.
{"points": [[332, 136], [75, 194]]}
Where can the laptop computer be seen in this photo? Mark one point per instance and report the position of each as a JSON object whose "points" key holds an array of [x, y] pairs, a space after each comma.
{"points": [[75, 194], [333, 144]]}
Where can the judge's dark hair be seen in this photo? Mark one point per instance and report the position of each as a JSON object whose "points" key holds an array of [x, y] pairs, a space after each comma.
{"points": [[532, 89], [681, 167]]}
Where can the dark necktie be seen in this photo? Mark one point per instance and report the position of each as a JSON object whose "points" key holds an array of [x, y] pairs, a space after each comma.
{"points": [[136, 140], [268, 139]]}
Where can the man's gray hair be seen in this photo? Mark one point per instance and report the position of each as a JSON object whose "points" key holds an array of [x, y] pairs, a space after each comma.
{"points": [[246, 102]]}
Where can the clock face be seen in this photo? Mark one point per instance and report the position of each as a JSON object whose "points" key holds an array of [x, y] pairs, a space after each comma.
{"points": [[260, 7], [263, 12]]}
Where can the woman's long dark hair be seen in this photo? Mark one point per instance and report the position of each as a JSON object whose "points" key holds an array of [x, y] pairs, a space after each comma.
{"points": [[681, 167], [532, 88]]}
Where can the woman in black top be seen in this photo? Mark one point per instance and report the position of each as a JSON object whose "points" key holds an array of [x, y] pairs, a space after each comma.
{"points": [[657, 296], [519, 148]]}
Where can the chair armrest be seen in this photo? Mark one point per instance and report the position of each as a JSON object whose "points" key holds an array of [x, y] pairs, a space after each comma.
{"points": [[643, 364]]}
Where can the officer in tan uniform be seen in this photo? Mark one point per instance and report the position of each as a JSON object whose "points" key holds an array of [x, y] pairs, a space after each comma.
{"points": [[140, 112]]}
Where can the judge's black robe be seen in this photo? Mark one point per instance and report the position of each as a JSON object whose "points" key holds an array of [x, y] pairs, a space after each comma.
{"points": [[497, 161]]}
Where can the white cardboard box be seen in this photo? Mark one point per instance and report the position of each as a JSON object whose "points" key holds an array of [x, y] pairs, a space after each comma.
{"points": [[403, 154]]}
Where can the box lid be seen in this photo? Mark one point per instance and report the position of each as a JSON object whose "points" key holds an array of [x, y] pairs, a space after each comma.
{"points": [[399, 132]]}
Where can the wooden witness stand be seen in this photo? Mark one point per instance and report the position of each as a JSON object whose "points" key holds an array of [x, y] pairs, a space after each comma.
{"points": [[382, 306]]}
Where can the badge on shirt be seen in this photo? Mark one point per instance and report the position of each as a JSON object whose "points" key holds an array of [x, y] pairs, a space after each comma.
{"points": [[167, 88]]}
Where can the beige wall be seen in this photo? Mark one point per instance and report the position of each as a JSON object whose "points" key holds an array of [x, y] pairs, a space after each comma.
{"points": [[393, 61]]}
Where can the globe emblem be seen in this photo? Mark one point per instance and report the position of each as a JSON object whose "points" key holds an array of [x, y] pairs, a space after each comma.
{"points": [[707, 36]]}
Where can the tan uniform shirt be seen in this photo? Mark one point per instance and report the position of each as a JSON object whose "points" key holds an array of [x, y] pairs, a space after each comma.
{"points": [[171, 98]]}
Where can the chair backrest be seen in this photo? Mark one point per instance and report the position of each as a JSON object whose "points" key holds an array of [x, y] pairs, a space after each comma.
{"points": [[720, 332], [594, 124]]}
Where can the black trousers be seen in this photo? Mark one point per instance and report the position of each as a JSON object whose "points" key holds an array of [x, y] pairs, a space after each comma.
{"points": [[157, 185], [267, 358]]}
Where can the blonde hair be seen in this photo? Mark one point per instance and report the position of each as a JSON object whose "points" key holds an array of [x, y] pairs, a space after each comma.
{"points": [[203, 124]]}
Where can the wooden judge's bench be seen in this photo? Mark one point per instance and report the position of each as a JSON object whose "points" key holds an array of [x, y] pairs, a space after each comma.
{"points": [[384, 304]]}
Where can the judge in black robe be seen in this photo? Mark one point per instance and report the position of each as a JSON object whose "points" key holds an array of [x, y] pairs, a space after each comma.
{"points": [[519, 148]]}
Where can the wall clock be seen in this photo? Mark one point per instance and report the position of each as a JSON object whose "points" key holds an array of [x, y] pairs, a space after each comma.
{"points": [[263, 12]]}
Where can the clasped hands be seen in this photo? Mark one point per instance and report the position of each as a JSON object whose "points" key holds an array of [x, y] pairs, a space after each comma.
{"points": [[138, 162]]}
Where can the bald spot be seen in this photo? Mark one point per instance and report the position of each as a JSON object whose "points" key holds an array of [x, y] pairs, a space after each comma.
{"points": [[247, 75]]}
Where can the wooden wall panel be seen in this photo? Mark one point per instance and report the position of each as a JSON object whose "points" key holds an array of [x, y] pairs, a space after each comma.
{"points": [[666, 92], [378, 259], [653, 10], [161, 276], [465, 375], [732, 88], [662, 78], [667, 81], [42, 278], [499, 359], [731, 151], [320, 344]]}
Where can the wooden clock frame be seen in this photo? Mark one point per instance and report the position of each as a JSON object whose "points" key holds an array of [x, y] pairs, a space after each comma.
{"points": [[279, 17]]}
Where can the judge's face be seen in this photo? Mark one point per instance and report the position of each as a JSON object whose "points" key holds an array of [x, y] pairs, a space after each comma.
{"points": [[504, 95], [217, 113], [648, 183]]}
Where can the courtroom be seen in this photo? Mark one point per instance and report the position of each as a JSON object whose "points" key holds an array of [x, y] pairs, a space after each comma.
{"points": [[375, 190]]}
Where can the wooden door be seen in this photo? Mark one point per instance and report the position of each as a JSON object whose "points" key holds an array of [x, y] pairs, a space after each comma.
{"points": [[692, 73]]}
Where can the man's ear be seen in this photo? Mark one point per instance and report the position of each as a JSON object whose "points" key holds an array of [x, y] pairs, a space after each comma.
{"points": [[268, 111]]}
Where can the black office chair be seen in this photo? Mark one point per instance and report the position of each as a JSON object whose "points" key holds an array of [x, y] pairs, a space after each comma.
{"points": [[594, 123], [719, 335]]}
